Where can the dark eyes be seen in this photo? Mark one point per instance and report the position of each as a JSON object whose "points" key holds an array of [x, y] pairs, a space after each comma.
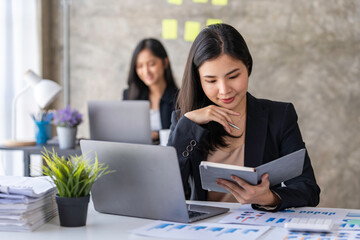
{"points": [[210, 81], [151, 64], [231, 77], [234, 76]]}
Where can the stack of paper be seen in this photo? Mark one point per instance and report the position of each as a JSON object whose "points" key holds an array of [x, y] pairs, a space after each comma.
{"points": [[26, 203]]}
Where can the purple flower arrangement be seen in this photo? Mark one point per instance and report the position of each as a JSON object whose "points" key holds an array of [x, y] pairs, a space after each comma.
{"points": [[67, 117]]}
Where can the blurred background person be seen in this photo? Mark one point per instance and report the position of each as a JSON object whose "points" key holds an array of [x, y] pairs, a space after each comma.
{"points": [[150, 78]]}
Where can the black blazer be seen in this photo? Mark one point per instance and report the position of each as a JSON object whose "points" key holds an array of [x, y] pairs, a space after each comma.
{"points": [[272, 131], [167, 104]]}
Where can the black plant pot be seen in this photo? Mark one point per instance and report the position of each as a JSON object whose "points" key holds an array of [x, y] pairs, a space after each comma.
{"points": [[72, 211]]}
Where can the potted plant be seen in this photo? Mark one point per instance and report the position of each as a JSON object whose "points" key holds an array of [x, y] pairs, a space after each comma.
{"points": [[73, 178], [66, 121]]}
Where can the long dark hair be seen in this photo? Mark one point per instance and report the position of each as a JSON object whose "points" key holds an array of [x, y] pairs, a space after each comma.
{"points": [[135, 85], [211, 42]]}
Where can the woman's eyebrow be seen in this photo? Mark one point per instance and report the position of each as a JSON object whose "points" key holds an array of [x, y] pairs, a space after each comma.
{"points": [[232, 71], [209, 76]]}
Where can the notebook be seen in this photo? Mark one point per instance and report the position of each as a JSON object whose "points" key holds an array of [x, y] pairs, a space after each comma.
{"points": [[120, 121], [147, 183], [279, 170]]}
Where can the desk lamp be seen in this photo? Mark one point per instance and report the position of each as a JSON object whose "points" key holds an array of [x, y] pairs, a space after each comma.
{"points": [[45, 92]]}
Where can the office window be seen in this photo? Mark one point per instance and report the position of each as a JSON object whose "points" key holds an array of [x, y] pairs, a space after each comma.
{"points": [[20, 51]]}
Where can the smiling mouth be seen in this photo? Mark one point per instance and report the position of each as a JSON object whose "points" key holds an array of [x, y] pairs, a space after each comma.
{"points": [[227, 100]]}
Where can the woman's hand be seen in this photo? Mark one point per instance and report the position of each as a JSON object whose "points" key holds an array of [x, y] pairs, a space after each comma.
{"points": [[248, 194], [212, 113], [155, 135]]}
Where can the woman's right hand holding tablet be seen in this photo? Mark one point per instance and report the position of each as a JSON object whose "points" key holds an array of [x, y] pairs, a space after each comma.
{"points": [[212, 113]]}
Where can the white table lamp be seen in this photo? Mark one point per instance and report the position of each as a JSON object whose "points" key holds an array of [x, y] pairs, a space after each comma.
{"points": [[45, 92]]}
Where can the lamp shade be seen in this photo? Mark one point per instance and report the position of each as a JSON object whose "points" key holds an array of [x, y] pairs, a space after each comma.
{"points": [[31, 78], [45, 91]]}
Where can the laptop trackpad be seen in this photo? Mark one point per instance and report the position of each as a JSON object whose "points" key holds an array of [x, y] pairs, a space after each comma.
{"points": [[197, 212]]}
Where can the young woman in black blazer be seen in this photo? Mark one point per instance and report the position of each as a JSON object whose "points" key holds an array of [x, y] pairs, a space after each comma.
{"points": [[150, 78], [219, 121]]}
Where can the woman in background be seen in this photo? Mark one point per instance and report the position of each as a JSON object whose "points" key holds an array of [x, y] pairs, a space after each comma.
{"points": [[150, 78], [219, 121]]}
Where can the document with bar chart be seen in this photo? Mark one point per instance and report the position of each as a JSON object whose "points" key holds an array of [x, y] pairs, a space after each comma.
{"points": [[351, 222], [209, 231], [284, 234], [277, 219]]}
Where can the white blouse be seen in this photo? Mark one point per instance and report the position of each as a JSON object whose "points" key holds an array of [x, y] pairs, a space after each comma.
{"points": [[155, 120]]}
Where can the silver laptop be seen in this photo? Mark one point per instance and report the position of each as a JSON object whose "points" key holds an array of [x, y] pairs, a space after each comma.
{"points": [[120, 121], [147, 183]]}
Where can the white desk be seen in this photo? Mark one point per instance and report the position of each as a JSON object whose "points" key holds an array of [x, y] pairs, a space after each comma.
{"points": [[98, 227], [102, 227]]}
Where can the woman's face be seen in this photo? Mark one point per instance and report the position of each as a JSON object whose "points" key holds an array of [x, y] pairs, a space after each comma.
{"points": [[150, 68], [225, 81]]}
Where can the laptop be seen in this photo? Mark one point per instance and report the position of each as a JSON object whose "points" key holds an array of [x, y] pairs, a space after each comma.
{"points": [[147, 183], [120, 121]]}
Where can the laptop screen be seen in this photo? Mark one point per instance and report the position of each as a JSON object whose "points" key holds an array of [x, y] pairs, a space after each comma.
{"points": [[120, 121]]}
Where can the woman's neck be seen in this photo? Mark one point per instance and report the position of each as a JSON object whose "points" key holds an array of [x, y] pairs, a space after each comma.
{"points": [[157, 89], [241, 108]]}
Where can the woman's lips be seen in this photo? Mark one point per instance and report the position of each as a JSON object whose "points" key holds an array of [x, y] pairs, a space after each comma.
{"points": [[227, 100]]}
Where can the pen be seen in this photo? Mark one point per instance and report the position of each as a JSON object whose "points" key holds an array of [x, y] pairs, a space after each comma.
{"points": [[234, 126]]}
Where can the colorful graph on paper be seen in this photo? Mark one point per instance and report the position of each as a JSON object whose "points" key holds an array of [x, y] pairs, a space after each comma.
{"points": [[284, 234], [254, 217], [201, 231], [347, 225], [341, 235]]}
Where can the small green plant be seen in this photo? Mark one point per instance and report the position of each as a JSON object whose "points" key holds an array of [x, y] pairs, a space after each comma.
{"points": [[73, 176]]}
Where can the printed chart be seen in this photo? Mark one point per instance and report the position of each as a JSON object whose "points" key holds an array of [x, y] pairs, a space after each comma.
{"points": [[283, 234], [209, 231], [348, 225], [253, 217]]}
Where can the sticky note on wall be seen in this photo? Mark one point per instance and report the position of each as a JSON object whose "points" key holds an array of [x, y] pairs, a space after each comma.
{"points": [[176, 2], [210, 21], [219, 2], [169, 28], [200, 1], [192, 29]]}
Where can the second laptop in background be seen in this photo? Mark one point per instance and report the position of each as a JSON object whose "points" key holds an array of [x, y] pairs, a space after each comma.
{"points": [[120, 121]]}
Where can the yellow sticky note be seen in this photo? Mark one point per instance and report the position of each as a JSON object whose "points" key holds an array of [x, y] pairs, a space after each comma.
{"points": [[210, 21], [169, 28], [200, 1], [219, 2], [176, 2], [192, 29]]}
